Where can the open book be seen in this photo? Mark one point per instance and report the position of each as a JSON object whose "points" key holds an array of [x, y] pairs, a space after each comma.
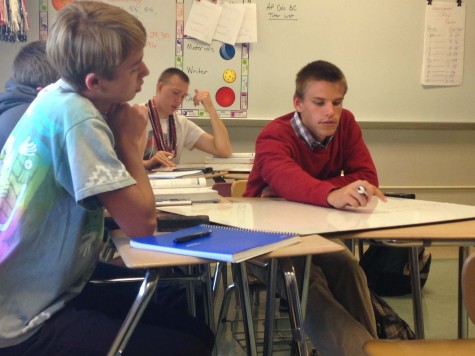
{"points": [[219, 243]]}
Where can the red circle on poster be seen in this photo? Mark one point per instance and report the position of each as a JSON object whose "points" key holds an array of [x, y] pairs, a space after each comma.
{"points": [[225, 97]]}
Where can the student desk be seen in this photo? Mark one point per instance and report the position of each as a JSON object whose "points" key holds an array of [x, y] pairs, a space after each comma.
{"points": [[152, 261], [459, 233], [377, 221]]}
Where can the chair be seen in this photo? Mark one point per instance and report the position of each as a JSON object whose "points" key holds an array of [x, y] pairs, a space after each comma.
{"points": [[235, 189], [296, 335], [238, 187], [459, 347], [223, 188], [166, 223]]}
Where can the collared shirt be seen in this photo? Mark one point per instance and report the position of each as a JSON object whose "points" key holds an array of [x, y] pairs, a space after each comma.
{"points": [[306, 136]]}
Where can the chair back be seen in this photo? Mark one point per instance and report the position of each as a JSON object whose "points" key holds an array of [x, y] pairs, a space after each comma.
{"points": [[223, 188], [238, 187], [468, 286]]}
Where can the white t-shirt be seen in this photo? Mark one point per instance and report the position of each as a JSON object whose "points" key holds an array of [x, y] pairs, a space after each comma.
{"points": [[187, 134]]}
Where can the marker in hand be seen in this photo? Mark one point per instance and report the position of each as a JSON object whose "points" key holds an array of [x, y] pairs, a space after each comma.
{"points": [[191, 237], [361, 190]]}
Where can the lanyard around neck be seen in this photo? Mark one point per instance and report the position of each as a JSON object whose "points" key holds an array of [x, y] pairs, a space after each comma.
{"points": [[162, 144]]}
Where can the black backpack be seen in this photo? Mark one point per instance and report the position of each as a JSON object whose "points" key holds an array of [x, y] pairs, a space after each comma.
{"points": [[387, 269], [389, 325]]}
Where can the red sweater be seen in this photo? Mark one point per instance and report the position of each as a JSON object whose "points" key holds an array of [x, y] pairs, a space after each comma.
{"points": [[295, 172]]}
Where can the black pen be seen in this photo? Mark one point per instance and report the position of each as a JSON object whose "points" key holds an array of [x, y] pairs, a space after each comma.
{"points": [[192, 236]]}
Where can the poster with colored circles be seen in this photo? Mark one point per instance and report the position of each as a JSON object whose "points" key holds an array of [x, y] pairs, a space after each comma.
{"points": [[220, 68]]}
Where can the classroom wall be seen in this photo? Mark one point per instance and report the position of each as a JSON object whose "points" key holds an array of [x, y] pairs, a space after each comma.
{"points": [[434, 163], [433, 160]]}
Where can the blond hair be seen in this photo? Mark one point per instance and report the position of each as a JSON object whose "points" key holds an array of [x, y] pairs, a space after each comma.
{"points": [[92, 37]]}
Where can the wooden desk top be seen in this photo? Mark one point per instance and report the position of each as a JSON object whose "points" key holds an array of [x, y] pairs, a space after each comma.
{"points": [[461, 231], [136, 258]]}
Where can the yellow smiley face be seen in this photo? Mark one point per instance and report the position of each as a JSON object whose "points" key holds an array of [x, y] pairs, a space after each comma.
{"points": [[229, 75]]}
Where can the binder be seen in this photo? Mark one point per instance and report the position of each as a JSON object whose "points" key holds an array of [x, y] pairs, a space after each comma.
{"points": [[227, 244]]}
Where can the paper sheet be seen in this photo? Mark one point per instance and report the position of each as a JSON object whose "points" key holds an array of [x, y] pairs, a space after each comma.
{"points": [[172, 174], [203, 20], [248, 30], [443, 44], [229, 23]]}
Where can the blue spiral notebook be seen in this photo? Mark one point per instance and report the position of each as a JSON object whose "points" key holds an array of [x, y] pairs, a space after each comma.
{"points": [[220, 243]]}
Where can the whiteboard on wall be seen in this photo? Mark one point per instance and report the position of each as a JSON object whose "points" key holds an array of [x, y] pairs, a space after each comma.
{"points": [[377, 43]]}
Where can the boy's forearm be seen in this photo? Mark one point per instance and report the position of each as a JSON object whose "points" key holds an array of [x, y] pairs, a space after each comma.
{"points": [[220, 134]]}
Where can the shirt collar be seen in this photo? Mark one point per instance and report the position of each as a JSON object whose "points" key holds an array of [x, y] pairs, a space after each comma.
{"points": [[305, 135]]}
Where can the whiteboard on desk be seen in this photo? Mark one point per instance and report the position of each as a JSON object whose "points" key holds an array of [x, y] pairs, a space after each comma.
{"points": [[304, 219], [377, 43]]}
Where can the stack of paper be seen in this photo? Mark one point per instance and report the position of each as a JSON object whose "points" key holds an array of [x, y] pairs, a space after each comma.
{"points": [[172, 191], [239, 158]]}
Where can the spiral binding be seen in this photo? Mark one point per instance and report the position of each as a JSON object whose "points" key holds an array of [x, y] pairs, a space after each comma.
{"points": [[220, 227]]}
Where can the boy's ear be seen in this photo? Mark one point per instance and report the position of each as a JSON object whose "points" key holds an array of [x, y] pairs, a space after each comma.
{"points": [[297, 104], [92, 81], [159, 87]]}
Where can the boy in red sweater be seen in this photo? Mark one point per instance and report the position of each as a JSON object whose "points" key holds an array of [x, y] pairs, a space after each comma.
{"points": [[301, 157]]}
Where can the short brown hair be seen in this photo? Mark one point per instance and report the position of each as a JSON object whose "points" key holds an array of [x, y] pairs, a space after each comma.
{"points": [[318, 71], [92, 37], [170, 72], [32, 68]]}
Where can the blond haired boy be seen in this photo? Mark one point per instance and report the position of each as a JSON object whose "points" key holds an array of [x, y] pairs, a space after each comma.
{"points": [[77, 150]]}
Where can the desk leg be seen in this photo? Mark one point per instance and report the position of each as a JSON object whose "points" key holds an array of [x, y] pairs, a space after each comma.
{"points": [[462, 311], [240, 274], [416, 293], [295, 312], [270, 307], [190, 292], [209, 301], [305, 283], [149, 285]]}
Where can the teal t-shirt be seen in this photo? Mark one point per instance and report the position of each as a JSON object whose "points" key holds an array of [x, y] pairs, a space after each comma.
{"points": [[57, 159]]}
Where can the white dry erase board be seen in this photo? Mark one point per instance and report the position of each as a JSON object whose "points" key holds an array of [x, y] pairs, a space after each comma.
{"points": [[304, 219], [377, 43]]}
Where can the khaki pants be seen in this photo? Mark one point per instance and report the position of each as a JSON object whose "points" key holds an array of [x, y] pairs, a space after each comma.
{"points": [[339, 317]]}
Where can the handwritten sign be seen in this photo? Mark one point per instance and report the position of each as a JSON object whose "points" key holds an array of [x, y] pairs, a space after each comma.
{"points": [[443, 44], [282, 11]]}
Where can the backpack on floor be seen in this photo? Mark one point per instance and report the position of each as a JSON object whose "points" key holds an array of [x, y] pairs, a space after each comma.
{"points": [[389, 325], [387, 269]]}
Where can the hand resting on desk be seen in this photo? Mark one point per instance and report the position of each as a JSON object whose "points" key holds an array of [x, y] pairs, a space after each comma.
{"points": [[348, 196]]}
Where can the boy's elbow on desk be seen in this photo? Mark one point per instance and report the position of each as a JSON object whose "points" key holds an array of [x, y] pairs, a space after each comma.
{"points": [[144, 227]]}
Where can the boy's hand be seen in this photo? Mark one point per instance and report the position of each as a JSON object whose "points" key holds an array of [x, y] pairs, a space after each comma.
{"points": [[160, 159], [128, 123], [349, 195], [203, 97]]}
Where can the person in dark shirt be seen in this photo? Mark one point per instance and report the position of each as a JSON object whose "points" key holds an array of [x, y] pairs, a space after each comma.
{"points": [[31, 72]]}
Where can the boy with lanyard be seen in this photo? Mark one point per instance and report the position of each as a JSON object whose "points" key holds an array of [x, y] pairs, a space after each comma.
{"points": [[300, 157], [77, 150], [168, 133]]}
